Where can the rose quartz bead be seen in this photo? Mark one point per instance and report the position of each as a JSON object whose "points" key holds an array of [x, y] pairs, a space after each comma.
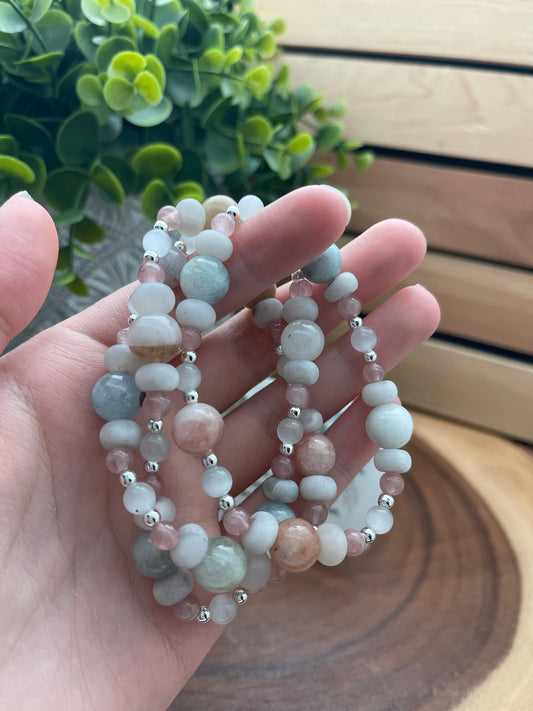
{"points": [[297, 545], [156, 405], [349, 307], [214, 206], [277, 574], [314, 454], [190, 338], [282, 467], [156, 483], [236, 521], [315, 512], [356, 542], [198, 428], [301, 287], [122, 335], [119, 460], [187, 609], [392, 483], [373, 372], [150, 272], [165, 536], [297, 395], [223, 223], [170, 215]]}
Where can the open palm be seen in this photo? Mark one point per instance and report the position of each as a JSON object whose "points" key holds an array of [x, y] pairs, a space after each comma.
{"points": [[79, 626]]}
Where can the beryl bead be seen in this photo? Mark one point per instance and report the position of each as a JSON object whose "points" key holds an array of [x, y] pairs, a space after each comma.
{"points": [[392, 483], [152, 298], [151, 561], [393, 460], [154, 447], [349, 307], [373, 372], [192, 216], [324, 268], [315, 512], [187, 609], [151, 272], [333, 544], [282, 467], [302, 340], [223, 609], [261, 533], [379, 393], [299, 307], [282, 490], [155, 337], [297, 395], [157, 376], [156, 405], [196, 313], [318, 487], [278, 509], [342, 286], [157, 241], [119, 460], [249, 205], [217, 481], [172, 264], [165, 536], [314, 454], [121, 357], [170, 590], [236, 521], [214, 244], [363, 339], [356, 542], [139, 498], [116, 397], [197, 428], [267, 311], [191, 546], [258, 569], [296, 547], [120, 433], [379, 518], [389, 425], [204, 278], [304, 372], [223, 565]]}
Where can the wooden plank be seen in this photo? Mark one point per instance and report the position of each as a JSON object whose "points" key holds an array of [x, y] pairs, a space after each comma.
{"points": [[475, 30], [470, 386], [466, 113], [464, 211]]}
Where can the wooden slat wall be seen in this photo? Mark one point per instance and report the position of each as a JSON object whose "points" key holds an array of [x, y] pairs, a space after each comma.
{"points": [[444, 92]]}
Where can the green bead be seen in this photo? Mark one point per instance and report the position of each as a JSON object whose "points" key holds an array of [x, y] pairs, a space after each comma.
{"points": [[223, 566]]}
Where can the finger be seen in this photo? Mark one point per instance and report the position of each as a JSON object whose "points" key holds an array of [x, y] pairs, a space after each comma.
{"points": [[28, 250]]}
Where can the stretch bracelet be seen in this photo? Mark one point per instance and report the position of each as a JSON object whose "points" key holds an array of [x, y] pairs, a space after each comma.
{"points": [[288, 530]]}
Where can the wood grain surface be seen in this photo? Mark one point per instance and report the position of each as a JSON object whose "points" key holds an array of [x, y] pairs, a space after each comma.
{"points": [[436, 616]]}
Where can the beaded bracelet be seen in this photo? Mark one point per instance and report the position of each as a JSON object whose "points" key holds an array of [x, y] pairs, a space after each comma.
{"points": [[273, 540]]}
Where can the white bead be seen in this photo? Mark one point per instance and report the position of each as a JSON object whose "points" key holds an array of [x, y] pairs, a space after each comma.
{"points": [[392, 460], [343, 285], [280, 367], [318, 487], [249, 205], [300, 307], [139, 498], [214, 244], [192, 216], [333, 544], [380, 518], [120, 433], [283, 490], [223, 608], [157, 241], [311, 419], [363, 339], [121, 357], [190, 377], [261, 534], [154, 447], [170, 590], [305, 372], [258, 571], [290, 431], [152, 297], [157, 376], [216, 481], [191, 547], [379, 393], [196, 313], [267, 311], [389, 425], [302, 340]]}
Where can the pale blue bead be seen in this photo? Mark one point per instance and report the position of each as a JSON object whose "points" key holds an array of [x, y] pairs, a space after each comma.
{"points": [[149, 560], [116, 397], [279, 510], [222, 567], [204, 278], [324, 268]]}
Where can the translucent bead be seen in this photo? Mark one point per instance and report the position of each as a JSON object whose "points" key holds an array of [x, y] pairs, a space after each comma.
{"points": [[155, 481], [290, 431], [283, 490], [249, 205], [223, 223], [155, 447], [204, 278], [191, 338], [296, 547], [318, 487], [150, 272], [363, 339], [196, 313], [315, 512], [299, 307], [379, 393], [149, 560], [379, 518], [120, 433], [297, 395], [356, 542], [261, 534], [300, 287], [342, 286], [139, 498], [122, 335], [187, 609], [349, 307], [120, 357], [119, 460], [214, 244], [267, 311], [278, 509], [192, 216], [223, 608], [172, 264], [315, 454], [389, 425], [311, 419], [165, 536], [152, 297], [190, 377], [156, 405], [223, 566], [157, 376], [155, 337], [302, 340], [170, 215], [282, 467], [304, 372], [333, 544], [170, 590], [325, 267], [258, 568], [217, 481], [191, 546], [393, 460], [214, 206], [198, 428], [116, 397], [157, 241], [373, 372], [392, 483], [236, 521], [166, 508]]}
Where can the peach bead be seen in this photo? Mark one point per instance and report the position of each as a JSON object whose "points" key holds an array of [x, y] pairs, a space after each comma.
{"points": [[198, 428], [296, 547], [314, 454]]}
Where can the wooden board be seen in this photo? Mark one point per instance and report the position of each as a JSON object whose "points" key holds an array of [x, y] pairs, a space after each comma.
{"points": [[476, 30], [438, 616], [466, 113]]}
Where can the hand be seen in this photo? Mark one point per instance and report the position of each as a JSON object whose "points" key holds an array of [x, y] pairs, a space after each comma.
{"points": [[80, 629]]}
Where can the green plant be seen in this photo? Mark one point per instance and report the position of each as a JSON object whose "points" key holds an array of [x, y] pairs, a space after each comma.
{"points": [[162, 98]]}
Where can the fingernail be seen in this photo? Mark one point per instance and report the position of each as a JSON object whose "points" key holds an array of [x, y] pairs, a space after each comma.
{"points": [[24, 194], [346, 201], [423, 287]]}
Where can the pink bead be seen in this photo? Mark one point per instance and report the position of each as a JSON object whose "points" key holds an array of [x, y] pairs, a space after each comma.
{"points": [[277, 574], [356, 542], [373, 372], [170, 215], [190, 338], [156, 405], [314, 454], [315, 512], [165, 536], [392, 483], [198, 428], [282, 467], [150, 272], [274, 331], [236, 521], [223, 223], [297, 395], [119, 460], [301, 287], [187, 609], [156, 483], [122, 335], [349, 307]]}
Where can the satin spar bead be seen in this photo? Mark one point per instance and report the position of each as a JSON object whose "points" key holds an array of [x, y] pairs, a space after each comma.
{"points": [[389, 425]]}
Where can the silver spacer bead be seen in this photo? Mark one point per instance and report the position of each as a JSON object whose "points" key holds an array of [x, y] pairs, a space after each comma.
{"points": [[370, 356], [191, 397], [297, 275], [155, 426], [151, 518], [132, 318], [127, 478], [233, 211], [240, 596], [180, 245], [286, 449], [356, 322], [386, 500], [279, 350], [210, 461], [188, 356], [226, 502], [203, 614], [150, 256], [369, 534], [151, 467], [161, 225], [294, 412]]}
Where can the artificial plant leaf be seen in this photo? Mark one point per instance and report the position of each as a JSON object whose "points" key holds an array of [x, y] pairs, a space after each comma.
{"points": [[329, 136], [305, 100], [222, 152], [83, 253], [278, 26], [88, 231], [109, 49], [258, 80], [66, 187], [300, 144], [117, 11], [89, 90], [182, 88], [266, 46], [111, 127], [78, 286], [78, 139], [118, 93], [189, 189], [85, 35], [166, 42], [104, 178], [198, 17], [148, 28], [41, 69], [10, 20], [63, 258], [148, 87], [233, 56], [56, 30], [63, 279], [154, 195], [123, 171], [257, 131], [157, 160], [127, 65], [213, 114], [38, 166], [68, 217], [153, 115], [212, 60], [166, 13], [39, 8], [214, 37], [321, 170], [7, 144], [93, 12], [155, 66], [12, 167], [362, 160]]}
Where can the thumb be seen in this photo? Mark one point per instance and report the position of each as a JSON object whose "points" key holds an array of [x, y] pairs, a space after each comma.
{"points": [[28, 255]]}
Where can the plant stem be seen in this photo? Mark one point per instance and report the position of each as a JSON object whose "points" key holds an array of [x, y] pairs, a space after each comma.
{"points": [[29, 25]]}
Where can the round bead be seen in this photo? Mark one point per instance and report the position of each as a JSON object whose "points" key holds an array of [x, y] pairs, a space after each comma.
{"points": [[267, 311], [389, 426], [116, 397], [120, 433], [190, 377], [198, 428], [191, 546], [299, 307], [304, 372], [249, 205], [191, 338], [379, 393], [157, 376], [204, 278], [236, 521], [258, 568], [151, 561], [318, 488], [297, 395], [223, 608], [279, 510], [157, 241], [196, 313], [290, 430], [170, 215], [119, 460], [324, 268], [139, 498], [343, 285], [223, 566], [380, 518], [152, 298], [150, 272], [156, 405], [373, 372], [315, 454], [392, 483], [187, 609], [172, 264], [311, 419], [296, 547], [165, 536], [282, 490], [214, 244], [315, 512], [120, 357], [300, 287], [170, 590], [333, 544], [393, 460], [363, 339], [192, 216], [349, 307], [302, 340], [223, 223], [157, 485], [217, 481], [155, 337], [282, 467], [215, 205], [166, 508], [261, 533], [356, 542], [155, 447]]}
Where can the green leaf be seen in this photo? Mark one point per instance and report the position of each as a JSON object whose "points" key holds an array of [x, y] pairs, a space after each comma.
{"points": [[78, 140], [212, 60], [222, 153], [38, 166], [15, 168], [68, 217], [88, 231], [148, 87], [56, 29], [118, 93], [233, 56], [89, 90], [108, 183], [84, 36], [109, 49], [93, 12], [30, 133], [300, 144], [157, 160], [166, 42], [363, 160], [189, 189], [148, 28], [154, 195], [183, 89], [305, 100], [7, 144], [78, 286], [154, 65], [10, 20], [153, 115], [330, 136], [41, 69], [258, 80], [66, 187], [39, 8], [127, 65], [83, 253], [116, 12], [123, 171], [257, 131], [321, 170], [63, 279], [267, 46], [166, 13], [279, 26], [63, 258]]}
